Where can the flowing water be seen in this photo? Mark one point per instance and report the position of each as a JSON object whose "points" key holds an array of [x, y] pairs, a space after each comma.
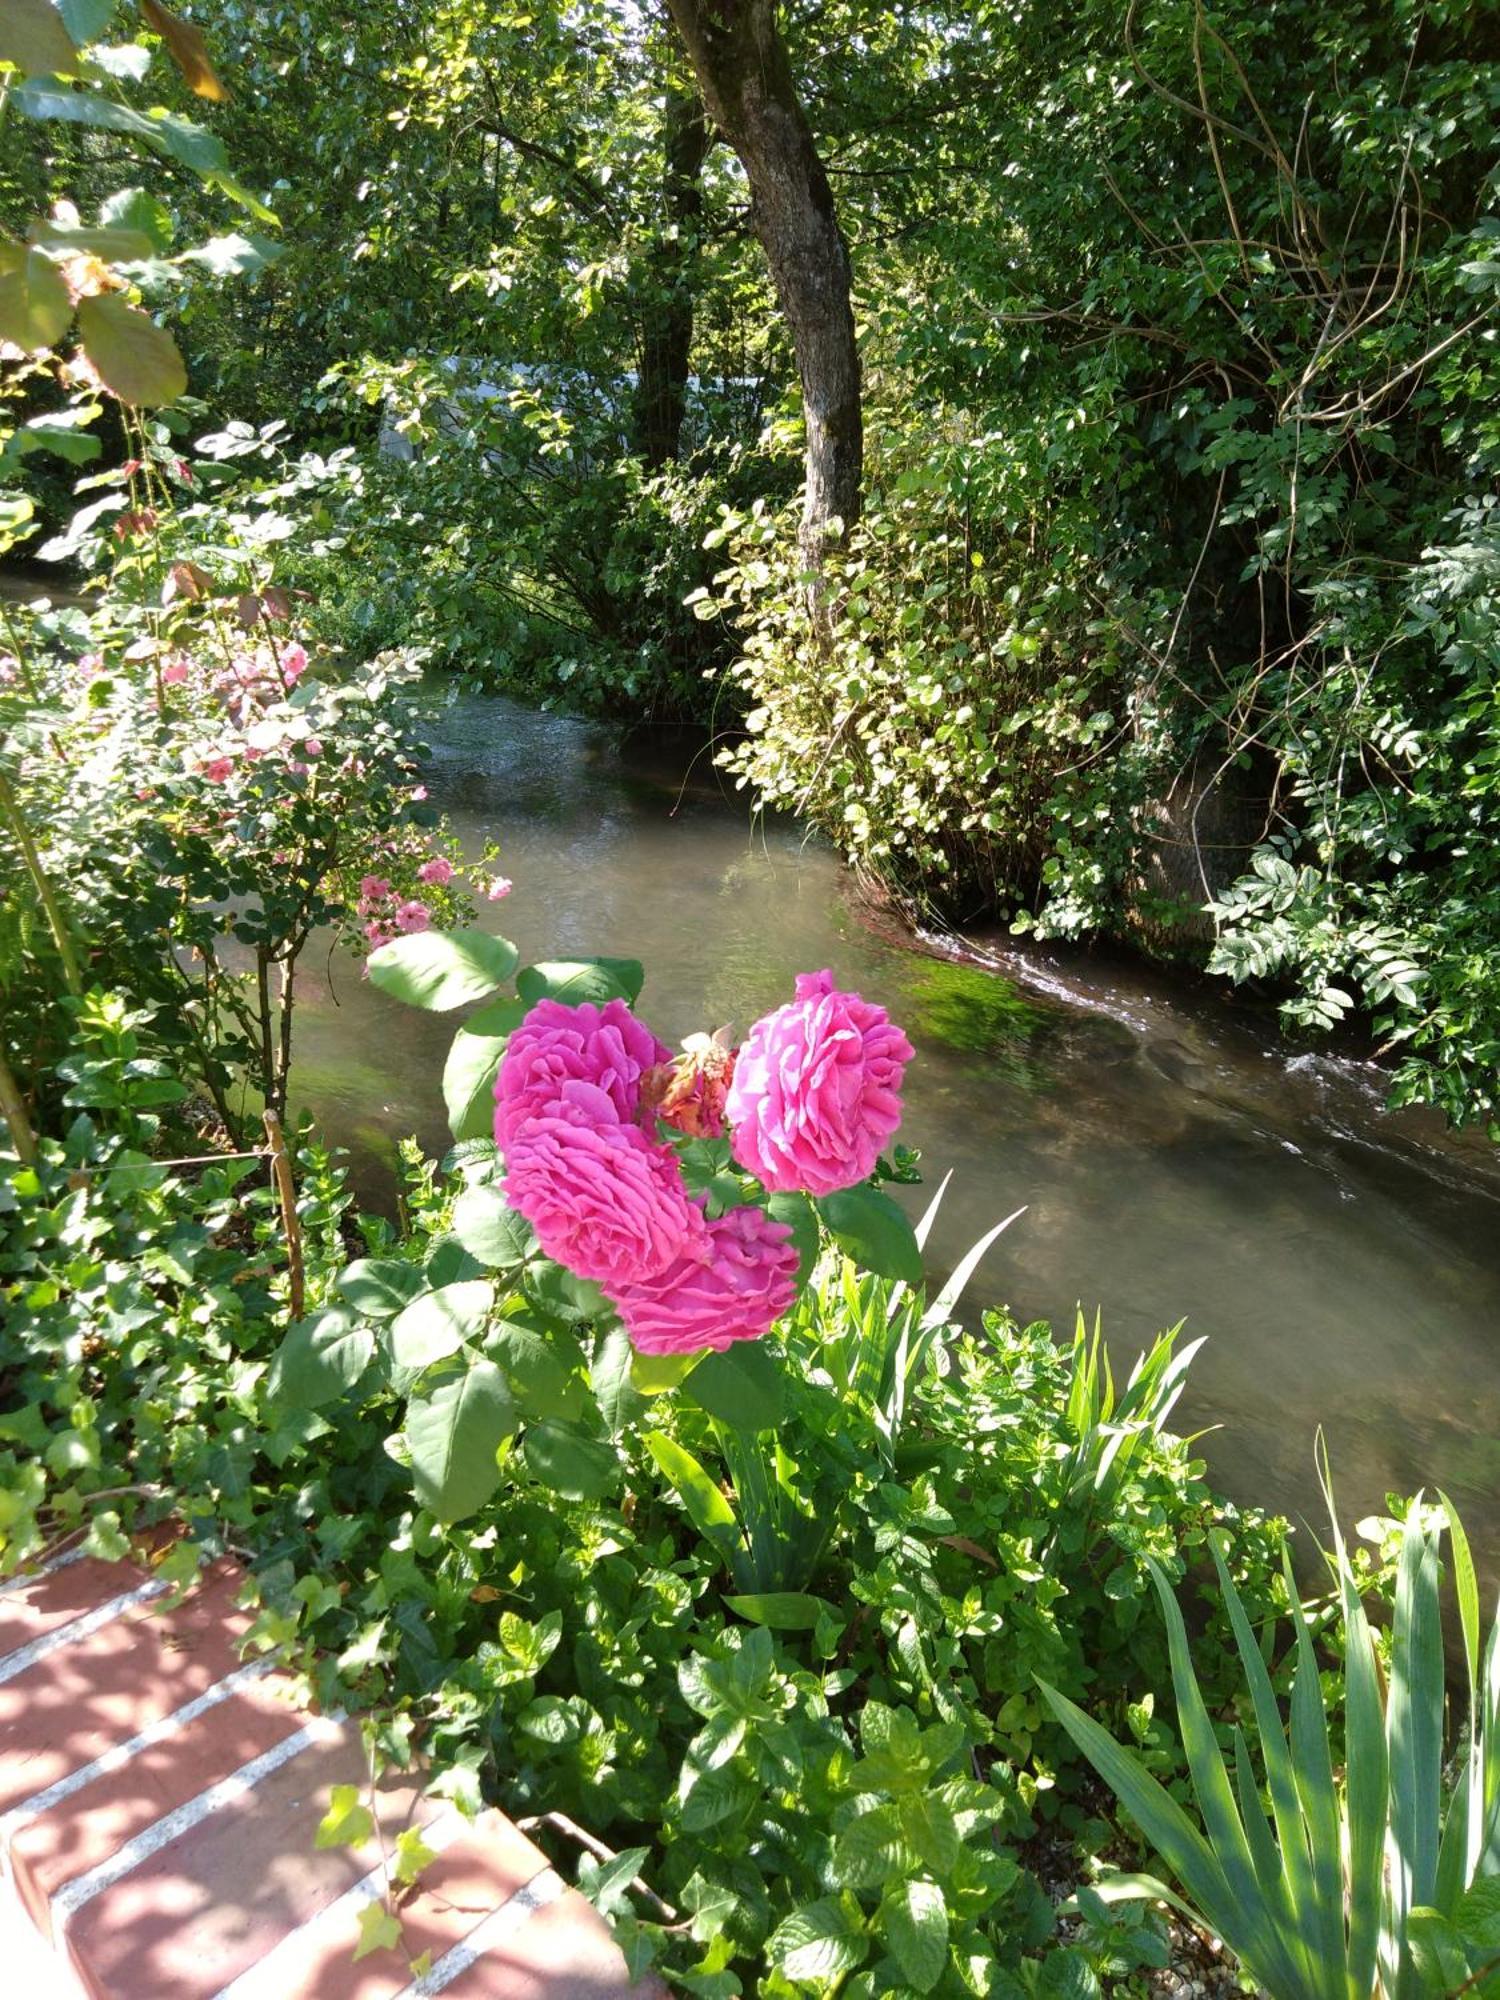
{"points": [[1176, 1160]]}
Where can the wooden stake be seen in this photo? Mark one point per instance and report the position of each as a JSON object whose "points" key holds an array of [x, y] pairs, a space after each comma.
{"points": [[281, 1179]]}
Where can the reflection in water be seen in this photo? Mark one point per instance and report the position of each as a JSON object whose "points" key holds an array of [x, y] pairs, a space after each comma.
{"points": [[1176, 1164]]}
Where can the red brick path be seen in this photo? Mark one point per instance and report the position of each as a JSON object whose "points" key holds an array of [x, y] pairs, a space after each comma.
{"points": [[158, 1801]]}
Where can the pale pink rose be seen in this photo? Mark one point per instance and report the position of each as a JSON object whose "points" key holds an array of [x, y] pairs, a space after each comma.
{"points": [[437, 870], [500, 887], [817, 1089], [294, 661], [418, 793], [413, 916], [217, 769], [603, 1048], [175, 674], [741, 1289], [604, 1201], [373, 888], [9, 669], [378, 933], [313, 746]]}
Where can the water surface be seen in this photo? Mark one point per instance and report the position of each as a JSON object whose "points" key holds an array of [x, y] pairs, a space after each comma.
{"points": [[1176, 1160]]}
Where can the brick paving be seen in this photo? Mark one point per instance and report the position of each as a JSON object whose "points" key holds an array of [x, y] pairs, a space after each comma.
{"points": [[158, 1803]]}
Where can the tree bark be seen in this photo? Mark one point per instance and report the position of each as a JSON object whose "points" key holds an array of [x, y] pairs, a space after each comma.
{"points": [[741, 65], [667, 315]]}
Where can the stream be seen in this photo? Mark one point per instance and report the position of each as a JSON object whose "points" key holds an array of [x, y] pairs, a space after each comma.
{"points": [[1177, 1161]]}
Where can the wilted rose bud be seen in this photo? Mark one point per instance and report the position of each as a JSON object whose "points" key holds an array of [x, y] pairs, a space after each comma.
{"points": [[693, 1091]]}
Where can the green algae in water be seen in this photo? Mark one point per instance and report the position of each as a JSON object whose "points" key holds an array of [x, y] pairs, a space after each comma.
{"points": [[977, 1013]]}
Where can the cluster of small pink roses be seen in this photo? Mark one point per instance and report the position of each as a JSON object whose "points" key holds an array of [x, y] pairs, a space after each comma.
{"points": [[249, 689], [811, 1097]]}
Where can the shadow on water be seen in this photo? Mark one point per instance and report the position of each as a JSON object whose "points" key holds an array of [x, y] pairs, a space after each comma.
{"points": [[1176, 1161]]}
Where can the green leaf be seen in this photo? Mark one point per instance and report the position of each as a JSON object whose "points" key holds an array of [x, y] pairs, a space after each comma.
{"points": [[35, 308], [133, 208], [620, 1403], [234, 256], [744, 1386], [494, 1234], [163, 131], [440, 970], [915, 1920], [348, 1821], [436, 1324], [797, 1211], [114, 245], [819, 1943], [872, 1849], [575, 980], [77, 447], [378, 1287], [572, 1464], [320, 1360], [930, 1830], [869, 1227], [656, 1374], [86, 20], [713, 1796], [33, 38], [708, 1510], [379, 1930], [782, 1610], [469, 1073], [454, 1431], [541, 1368], [135, 358]]}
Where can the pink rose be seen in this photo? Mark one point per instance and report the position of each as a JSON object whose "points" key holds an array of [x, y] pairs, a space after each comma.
{"points": [[378, 933], [601, 1049], [604, 1048], [217, 769], [413, 916], [294, 661], [312, 746], [437, 870], [418, 792], [373, 888], [500, 887], [817, 1089], [741, 1289], [603, 1200], [175, 674]]}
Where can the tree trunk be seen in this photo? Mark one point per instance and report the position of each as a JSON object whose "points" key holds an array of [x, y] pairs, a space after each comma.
{"points": [[741, 65], [667, 315]]}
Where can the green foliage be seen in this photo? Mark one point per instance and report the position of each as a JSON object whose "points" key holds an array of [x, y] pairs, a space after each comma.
{"points": [[1382, 1879]]}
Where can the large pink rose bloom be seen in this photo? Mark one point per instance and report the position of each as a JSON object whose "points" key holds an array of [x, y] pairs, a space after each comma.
{"points": [[817, 1089], [738, 1293], [606, 1048], [602, 1198]]}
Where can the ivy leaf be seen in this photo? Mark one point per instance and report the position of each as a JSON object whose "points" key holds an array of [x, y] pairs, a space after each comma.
{"points": [[820, 1943], [869, 1227], [454, 1431], [34, 304], [135, 358], [575, 980], [379, 1930], [915, 1920], [440, 970], [412, 1855], [438, 1323], [348, 1821]]}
